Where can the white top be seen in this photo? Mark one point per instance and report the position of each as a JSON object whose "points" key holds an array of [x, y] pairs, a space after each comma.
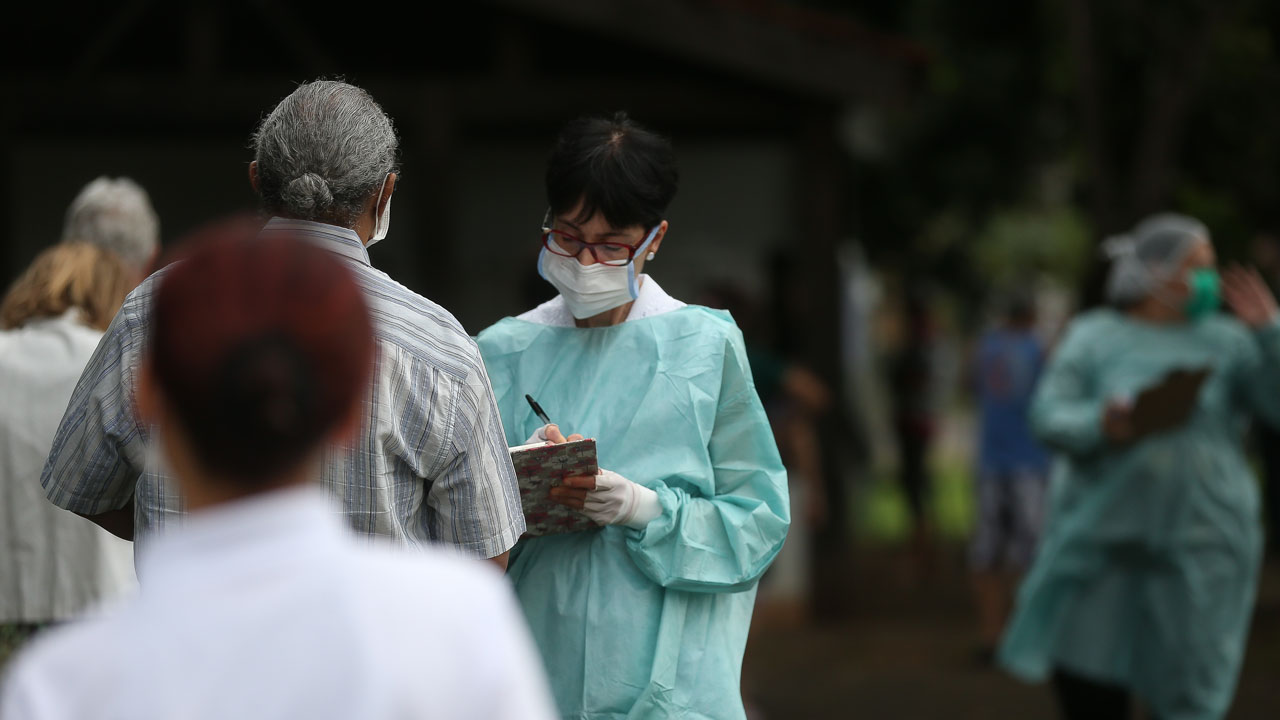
{"points": [[53, 564], [653, 300], [265, 608]]}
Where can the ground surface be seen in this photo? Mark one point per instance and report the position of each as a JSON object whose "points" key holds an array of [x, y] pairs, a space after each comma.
{"points": [[907, 651]]}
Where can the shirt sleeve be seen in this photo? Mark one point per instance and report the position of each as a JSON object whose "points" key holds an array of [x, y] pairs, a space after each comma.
{"points": [[1257, 375], [99, 449], [18, 699], [474, 500], [1066, 411], [725, 542]]}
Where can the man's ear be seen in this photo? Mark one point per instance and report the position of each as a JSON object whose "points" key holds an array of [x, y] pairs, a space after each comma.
{"points": [[388, 187], [253, 174]]}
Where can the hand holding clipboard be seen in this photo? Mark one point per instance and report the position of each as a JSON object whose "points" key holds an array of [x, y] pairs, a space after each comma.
{"points": [[1159, 408]]}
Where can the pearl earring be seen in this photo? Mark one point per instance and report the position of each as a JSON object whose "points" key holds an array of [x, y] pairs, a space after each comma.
{"points": [[650, 256]]}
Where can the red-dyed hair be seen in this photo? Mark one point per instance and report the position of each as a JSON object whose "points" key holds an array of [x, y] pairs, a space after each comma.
{"points": [[260, 346]]}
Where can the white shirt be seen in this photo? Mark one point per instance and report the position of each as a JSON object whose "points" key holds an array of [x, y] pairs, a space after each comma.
{"points": [[652, 300], [53, 564], [266, 608]]}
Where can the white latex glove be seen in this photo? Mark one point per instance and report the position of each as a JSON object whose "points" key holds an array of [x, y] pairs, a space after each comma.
{"points": [[618, 501], [538, 436], [550, 433]]}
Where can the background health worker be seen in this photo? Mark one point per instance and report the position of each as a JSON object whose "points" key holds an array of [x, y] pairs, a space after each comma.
{"points": [[1146, 576]]}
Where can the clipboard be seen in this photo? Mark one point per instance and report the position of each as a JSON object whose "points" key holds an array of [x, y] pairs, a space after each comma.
{"points": [[1169, 403]]}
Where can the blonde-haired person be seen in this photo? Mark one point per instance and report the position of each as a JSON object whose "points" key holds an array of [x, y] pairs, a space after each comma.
{"points": [[53, 565], [72, 276]]}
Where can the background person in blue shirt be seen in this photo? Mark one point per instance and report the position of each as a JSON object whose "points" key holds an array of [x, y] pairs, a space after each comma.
{"points": [[1012, 466]]}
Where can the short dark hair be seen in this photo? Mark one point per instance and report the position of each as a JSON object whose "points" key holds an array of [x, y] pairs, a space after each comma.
{"points": [[615, 167], [260, 347]]}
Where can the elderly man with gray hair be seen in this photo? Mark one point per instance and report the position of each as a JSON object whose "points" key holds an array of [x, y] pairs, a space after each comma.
{"points": [[431, 461], [116, 215]]}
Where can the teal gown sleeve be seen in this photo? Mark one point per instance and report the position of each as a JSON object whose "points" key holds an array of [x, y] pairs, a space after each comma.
{"points": [[722, 543], [1256, 381], [1066, 412]]}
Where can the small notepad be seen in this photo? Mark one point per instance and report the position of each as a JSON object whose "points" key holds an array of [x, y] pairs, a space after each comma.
{"points": [[540, 467]]}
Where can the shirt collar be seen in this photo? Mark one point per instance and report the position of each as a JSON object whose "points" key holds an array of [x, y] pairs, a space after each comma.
{"points": [[652, 300], [247, 527], [340, 240]]}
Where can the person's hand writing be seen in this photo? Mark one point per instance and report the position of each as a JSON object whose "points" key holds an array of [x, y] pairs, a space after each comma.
{"points": [[1248, 296], [538, 436], [552, 434]]}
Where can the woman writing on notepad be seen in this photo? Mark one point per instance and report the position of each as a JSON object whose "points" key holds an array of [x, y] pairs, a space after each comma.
{"points": [[648, 615], [1145, 579]]}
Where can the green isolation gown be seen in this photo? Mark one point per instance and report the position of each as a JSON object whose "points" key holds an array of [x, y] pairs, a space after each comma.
{"points": [[647, 623]]}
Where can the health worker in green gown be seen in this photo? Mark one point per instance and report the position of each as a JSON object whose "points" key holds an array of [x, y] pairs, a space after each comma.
{"points": [[647, 616], [1145, 579]]}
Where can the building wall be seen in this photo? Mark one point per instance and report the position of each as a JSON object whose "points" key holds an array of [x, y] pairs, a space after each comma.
{"points": [[189, 180], [733, 208]]}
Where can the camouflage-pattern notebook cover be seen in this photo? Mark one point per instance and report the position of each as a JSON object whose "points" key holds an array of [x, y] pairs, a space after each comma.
{"points": [[540, 468]]}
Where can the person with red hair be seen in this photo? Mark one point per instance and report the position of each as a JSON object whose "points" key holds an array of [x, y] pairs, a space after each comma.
{"points": [[260, 605]]}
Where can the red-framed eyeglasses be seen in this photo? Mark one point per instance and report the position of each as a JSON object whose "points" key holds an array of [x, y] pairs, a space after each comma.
{"points": [[568, 245], [605, 253]]}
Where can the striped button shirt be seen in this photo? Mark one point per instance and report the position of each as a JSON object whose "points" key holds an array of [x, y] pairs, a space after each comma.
{"points": [[431, 461]]}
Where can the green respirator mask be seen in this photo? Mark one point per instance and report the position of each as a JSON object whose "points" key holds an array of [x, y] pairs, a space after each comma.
{"points": [[1205, 293]]}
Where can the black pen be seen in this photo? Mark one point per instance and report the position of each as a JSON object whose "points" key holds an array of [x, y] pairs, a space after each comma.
{"points": [[537, 410]]}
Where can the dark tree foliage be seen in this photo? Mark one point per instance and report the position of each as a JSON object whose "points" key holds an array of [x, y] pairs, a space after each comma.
{"points": [[1152, 106]]}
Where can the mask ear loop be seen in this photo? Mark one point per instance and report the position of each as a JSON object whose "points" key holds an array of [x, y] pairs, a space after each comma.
{"points": [[542, 254], [633, 284], [381, 223]]}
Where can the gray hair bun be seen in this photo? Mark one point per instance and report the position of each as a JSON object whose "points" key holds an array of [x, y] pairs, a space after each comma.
{"points": [[308, 191], [323, 153]]}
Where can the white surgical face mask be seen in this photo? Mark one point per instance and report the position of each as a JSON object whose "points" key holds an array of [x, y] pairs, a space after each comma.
{"points": [[383, 224], [589, 290]]}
